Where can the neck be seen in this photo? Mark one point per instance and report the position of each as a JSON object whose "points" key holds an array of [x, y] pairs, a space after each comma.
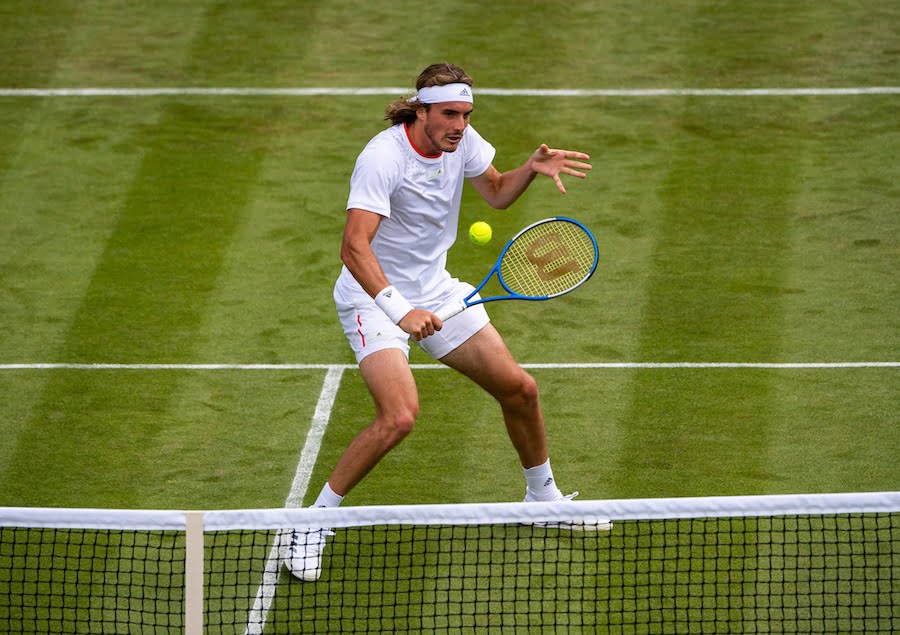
{"points": [[415, 132]]}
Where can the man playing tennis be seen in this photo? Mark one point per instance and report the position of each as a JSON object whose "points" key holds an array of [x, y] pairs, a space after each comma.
{"points": [[402, 217]]}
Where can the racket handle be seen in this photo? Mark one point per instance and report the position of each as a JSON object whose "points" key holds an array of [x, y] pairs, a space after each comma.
{"points": [[449, 310]]}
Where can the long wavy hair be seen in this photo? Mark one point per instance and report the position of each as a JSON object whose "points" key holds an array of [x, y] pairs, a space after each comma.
{"points": [[403, 110]]}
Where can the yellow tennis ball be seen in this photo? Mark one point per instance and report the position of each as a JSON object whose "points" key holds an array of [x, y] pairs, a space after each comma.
{"points": [[480, 233]]}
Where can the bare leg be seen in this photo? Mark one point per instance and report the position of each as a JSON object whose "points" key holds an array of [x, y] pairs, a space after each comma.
{"points": [[486, 360], [393, 389]]}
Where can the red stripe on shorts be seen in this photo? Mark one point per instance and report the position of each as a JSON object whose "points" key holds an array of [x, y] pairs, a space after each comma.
{"points": [[359, 330]]}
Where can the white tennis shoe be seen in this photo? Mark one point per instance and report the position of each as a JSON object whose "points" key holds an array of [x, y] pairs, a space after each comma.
{"points": [[304, 553], [574, 524]]}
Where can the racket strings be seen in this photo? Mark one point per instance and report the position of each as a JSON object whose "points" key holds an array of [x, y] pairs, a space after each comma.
{"points": [[548, 259]]}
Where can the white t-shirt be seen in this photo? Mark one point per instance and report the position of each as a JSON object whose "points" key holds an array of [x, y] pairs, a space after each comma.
{"points": [[419, 198]]}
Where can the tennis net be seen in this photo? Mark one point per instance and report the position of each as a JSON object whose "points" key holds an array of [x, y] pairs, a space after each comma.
{"points": [[759, 564]]}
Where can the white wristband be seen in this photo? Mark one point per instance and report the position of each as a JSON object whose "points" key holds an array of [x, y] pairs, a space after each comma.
{"points": [[394, 305]]}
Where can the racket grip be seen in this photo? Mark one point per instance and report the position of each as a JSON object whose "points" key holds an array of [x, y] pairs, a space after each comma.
{"points": [[449, 310]]}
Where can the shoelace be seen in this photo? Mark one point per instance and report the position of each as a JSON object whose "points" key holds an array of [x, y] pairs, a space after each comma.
{"points": [[310, 541]]}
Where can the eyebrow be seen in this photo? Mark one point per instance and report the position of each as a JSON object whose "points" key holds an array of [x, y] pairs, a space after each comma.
{"points": [[453, 111]]}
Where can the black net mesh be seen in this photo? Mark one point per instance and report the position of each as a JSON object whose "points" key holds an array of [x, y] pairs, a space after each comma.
{"points": [[829, 573]]}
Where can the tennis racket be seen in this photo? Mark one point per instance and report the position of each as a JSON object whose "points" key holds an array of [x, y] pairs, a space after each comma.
{"points": [[545, 260]]}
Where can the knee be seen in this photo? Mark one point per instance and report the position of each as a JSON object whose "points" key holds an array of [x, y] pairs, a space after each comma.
{"points": [[398, 423], [523, 392], [404, 421], [528, 389]]}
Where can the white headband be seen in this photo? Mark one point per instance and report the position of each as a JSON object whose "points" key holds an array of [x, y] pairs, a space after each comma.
{"points": [[447, 92]]}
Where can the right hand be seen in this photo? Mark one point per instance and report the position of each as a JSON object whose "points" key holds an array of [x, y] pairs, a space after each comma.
{"points": [[420, 323]]}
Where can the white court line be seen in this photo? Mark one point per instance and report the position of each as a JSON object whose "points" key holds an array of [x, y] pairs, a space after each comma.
{"points": [[502, 92], [329, 367], [314, 437], [256, 619]]}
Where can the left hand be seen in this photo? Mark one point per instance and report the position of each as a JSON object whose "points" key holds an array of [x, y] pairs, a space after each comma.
{"points": [[552, 163]]}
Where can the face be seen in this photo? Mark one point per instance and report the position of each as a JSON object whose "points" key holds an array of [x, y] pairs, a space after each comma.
{"points": [[444, 124]]}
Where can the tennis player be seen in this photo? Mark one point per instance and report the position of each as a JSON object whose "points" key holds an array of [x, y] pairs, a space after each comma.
{"points": [[402, 218]]}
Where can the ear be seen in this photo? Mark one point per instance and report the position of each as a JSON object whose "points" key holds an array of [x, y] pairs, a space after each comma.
{"points": [[421, 112]]}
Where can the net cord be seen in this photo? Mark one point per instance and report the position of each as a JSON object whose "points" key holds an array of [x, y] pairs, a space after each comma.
{"points": [[460, 514], [90, 518], [623, 509]]}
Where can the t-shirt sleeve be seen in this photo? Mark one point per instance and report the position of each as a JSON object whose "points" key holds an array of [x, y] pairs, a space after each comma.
{"points": [[479, 153], [374, 179]]}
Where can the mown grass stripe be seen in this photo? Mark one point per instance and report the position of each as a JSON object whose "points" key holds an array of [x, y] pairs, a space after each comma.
{"points": [[722, 245], [64, 179], [148, 295]]}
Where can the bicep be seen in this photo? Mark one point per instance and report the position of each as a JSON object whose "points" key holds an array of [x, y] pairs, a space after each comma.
{"points": [[361, 225]]}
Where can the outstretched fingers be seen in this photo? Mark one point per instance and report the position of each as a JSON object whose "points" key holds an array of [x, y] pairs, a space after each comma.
{"points": [[574, 168], [553, 162]]}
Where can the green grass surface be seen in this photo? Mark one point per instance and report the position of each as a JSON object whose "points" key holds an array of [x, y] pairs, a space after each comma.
{"points": [[200, 229], [206, 229]]}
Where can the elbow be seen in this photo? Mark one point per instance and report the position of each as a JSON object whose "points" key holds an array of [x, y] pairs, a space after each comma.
{"points": [[502, 198], [349, 253], [502, 204]]}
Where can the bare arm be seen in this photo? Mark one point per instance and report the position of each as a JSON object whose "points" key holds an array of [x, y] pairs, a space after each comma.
{"points": [[356, 250], [502, 190], [357, 255]]}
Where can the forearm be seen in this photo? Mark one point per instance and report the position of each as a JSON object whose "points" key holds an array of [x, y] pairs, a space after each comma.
{"points": [[361, 261], [511, 185], [502, 190]]}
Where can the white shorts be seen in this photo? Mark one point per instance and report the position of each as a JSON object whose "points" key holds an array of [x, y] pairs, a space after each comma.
{"points": [[369, 330]]}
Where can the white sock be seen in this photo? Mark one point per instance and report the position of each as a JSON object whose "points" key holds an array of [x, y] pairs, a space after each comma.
{"points": [[540, 485], [327, 498]]}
